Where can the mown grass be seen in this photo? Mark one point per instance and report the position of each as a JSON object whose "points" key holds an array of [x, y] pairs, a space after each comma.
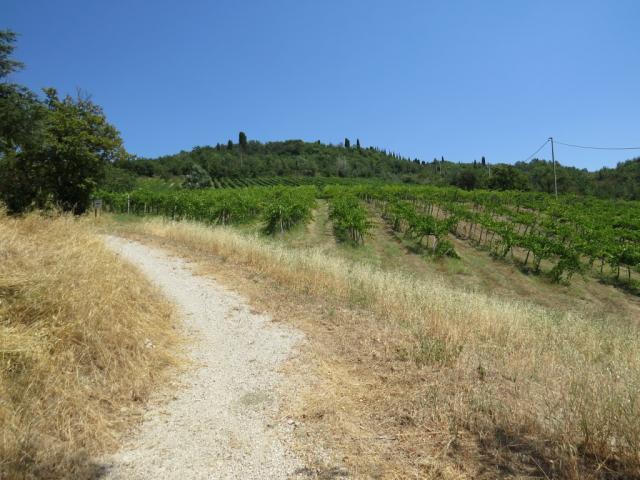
{"points": [[83, 339], [556, 388]]}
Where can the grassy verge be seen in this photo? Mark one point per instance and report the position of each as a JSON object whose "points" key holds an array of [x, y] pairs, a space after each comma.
{"points": [[83, 339], [459, 384]]}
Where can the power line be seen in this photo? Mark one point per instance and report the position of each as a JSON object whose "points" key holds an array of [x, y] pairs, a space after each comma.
{"points": [[541, 147], [596, 148]]}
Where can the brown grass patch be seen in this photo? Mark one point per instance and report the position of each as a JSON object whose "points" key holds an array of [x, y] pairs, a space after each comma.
{"points": [[421, 380], [83, 338]]}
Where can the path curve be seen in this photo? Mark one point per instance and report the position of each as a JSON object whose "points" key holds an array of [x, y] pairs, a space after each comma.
{"points": [[222, 423]]}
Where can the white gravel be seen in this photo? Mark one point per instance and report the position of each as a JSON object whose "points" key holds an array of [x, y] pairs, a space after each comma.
{"points": [[222, 423]]}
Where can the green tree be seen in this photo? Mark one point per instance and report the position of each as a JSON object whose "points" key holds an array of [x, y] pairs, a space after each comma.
{"points": [[80, 143], [242, 140], [506, 177], [77, 145], [7, 64], [21, 122], [347, 143], [466, 179], [229, 145], [118, 180], [21, 113], [197, 177]]}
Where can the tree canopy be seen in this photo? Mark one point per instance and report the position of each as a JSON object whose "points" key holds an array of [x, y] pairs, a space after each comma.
{"points": [[53, 151]]}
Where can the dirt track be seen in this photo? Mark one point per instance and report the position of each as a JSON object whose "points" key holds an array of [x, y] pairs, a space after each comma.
{"points": [[222, 423]]}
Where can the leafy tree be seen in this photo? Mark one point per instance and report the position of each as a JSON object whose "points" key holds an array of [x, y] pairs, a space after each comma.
{"points": [[483, 161], [466, 179], [77, 145], [7, 64], [197, 177], [506, 177], [21, 119], [52, 151], [118, 180], [358, 144], [80, 143], [21, 113], [229, 145], [21, 116], [242, 140], [347, 143]]}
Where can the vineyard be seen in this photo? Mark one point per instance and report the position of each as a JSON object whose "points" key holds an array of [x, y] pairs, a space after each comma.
{"points": [[541, 234], [234, 182], [569, 235]]}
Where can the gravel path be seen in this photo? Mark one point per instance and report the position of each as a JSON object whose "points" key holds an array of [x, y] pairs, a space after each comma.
{"points": [[223, 423]]}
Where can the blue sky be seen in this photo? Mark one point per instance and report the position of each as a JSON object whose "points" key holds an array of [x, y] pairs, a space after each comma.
{"points": [[423, 78]]}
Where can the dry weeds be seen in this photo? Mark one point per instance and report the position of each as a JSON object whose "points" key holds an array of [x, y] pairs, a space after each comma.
{"points": [[432, 381], [83, 338]]}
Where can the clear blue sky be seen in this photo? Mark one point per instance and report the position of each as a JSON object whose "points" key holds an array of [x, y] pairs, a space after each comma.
{"points": [[423, 78]]}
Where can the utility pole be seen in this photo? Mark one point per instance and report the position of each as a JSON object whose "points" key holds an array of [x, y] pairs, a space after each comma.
{"points": [[553, 159]]}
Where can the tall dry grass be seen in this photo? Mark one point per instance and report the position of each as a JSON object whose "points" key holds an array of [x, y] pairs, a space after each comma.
{"points": [[83, 338], [561, 387]]}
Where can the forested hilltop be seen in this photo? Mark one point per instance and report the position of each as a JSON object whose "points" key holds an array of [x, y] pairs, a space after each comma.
{"points": [[247, 159], [58, 150]]}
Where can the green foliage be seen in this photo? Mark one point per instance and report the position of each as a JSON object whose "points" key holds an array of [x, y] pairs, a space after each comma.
{"points": [[22, 118], [21, 113], [7, 64], [466, 179], [286, 208], [282, 159], [52, 152], [423, 226], [197, 177], [622, 181], [242, 140], [573, 234], [118, 180], [445, 248], [350, 219], [506, 177], [295, 158], [280, 208], [79, 144]]}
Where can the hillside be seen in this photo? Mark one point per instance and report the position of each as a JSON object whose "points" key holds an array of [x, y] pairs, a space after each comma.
{"points": [[493, 369], [289, 157], [382, 280], [296, 158]]}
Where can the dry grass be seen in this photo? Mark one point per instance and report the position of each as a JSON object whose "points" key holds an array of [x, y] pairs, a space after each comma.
{"points": [[458, 384], [83, 338]]}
